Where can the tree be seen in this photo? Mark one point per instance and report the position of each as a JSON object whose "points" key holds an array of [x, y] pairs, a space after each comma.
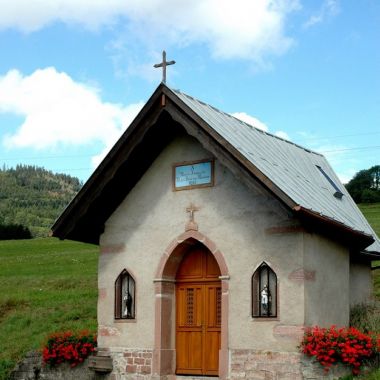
{"points": [[14, 231], [364, 187]]}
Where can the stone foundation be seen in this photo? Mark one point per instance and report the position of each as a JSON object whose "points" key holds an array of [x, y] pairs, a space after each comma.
{"points": [[259, 365], [269, 365], [31, 368], [137, 364], [244, 364], [131, 364]]}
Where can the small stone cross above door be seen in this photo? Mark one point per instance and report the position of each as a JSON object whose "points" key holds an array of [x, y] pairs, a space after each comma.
{"points": [[191, 224]]}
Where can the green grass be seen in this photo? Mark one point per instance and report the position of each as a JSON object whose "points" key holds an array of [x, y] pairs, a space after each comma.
{"points": [[373, 375], [46, 285], [372, 213]]}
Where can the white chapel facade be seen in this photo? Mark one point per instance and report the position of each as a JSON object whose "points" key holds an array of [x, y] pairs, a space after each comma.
{"points": [[218, 244]]}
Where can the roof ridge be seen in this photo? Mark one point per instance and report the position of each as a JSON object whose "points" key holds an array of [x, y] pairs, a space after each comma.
{"points": [[245, 123]]}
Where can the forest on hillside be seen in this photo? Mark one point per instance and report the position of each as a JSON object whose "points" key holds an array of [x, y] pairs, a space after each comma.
{"points": [[33, 198], [364, 187]]}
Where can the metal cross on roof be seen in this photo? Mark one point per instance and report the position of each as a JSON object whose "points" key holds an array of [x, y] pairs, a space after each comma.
{"points": [[163, 64]]}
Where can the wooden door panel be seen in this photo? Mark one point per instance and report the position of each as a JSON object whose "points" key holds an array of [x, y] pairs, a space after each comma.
{"points": [[198, 314], [190, 359], [214, 305], [190, 305], [192, 266], [212, 268], [211, 352], [212, 328]]}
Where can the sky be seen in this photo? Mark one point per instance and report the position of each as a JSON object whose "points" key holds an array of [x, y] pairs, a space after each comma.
{"points": [[74, 73]]}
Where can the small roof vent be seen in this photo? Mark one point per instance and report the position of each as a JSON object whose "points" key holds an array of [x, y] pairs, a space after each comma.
{"points": [[337, 194]]}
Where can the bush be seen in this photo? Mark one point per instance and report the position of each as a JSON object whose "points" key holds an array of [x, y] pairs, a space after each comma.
{"points": [[370, 196], [68, 347], [14, 231], [346, 345], [366, 317]]}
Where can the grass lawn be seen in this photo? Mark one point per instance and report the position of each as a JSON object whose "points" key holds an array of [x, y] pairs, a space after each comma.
{"points": [[372, 213], [375, 375], [46, 285]]}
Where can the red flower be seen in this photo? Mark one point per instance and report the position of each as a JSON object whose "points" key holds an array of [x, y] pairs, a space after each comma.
{"points": [[69, 347], [346, 345]]}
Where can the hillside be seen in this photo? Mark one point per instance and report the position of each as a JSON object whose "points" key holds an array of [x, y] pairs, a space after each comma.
{"points": [[34, 197], [372, 212], [46, 286]]}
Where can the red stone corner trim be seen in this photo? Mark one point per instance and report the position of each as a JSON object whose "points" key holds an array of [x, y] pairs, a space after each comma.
{"points": [[302, 275], [289, 331], [112, 248], [108, 331], [284, 230]]}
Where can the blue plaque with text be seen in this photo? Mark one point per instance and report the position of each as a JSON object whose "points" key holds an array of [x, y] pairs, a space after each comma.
{"points": [[192, 175]]}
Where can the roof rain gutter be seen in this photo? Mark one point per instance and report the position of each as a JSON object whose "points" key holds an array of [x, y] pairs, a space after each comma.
{"points": [[356, 239]]}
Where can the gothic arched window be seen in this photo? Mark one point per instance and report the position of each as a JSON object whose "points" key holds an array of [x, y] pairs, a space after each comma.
{"points": [[264, 292], [124, 296]]}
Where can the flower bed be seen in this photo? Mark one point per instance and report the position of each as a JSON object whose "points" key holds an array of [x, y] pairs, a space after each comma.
{"points": [[346, 345], [68, 347]]}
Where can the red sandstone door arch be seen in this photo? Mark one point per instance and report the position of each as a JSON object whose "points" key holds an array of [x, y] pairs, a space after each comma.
{"points": [[198, 313]]}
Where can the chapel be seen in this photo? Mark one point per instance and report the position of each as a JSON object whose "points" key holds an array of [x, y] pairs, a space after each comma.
{"points": [[219, 243]]}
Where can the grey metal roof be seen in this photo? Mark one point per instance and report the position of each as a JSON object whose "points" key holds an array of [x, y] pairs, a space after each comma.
{"points": [[292, 168]]}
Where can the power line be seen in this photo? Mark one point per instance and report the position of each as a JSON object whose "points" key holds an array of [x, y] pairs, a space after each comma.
{"points": [[337, 136], [347, 149], [50, 157]]}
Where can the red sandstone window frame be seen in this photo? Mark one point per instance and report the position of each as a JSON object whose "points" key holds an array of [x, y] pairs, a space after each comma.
{"points": [[264, 274], [120, 300]]}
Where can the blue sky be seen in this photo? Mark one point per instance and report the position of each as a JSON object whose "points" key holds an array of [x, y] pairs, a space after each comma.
{"points": [[74, 73]]}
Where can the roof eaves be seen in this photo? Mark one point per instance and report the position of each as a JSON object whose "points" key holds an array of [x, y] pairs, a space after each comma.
{"points": [[58, 229], [365, 238]]}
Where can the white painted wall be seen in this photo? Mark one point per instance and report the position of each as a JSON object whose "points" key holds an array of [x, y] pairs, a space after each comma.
{"points": [[327, 298], [235, 219], [360, 283]]}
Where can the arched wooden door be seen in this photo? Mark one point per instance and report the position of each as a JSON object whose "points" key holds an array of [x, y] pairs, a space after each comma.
{"points": [[198, 313]]}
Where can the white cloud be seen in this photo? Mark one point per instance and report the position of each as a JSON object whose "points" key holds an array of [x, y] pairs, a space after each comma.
{"points": [[29, 16], [328, 9], [58, 110], [283, 135], [232, 29], [251, 120]]}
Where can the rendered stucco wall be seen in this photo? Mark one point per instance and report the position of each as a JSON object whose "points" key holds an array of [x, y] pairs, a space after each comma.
{"points": [[327, 291], [235, 218], [360, 283]]}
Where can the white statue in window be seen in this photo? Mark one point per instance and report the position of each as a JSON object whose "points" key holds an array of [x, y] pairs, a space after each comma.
{"points": [[265, 299], [128, 304]]}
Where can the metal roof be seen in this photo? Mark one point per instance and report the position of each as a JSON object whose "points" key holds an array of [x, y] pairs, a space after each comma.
{"points": [[292, 168]]}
